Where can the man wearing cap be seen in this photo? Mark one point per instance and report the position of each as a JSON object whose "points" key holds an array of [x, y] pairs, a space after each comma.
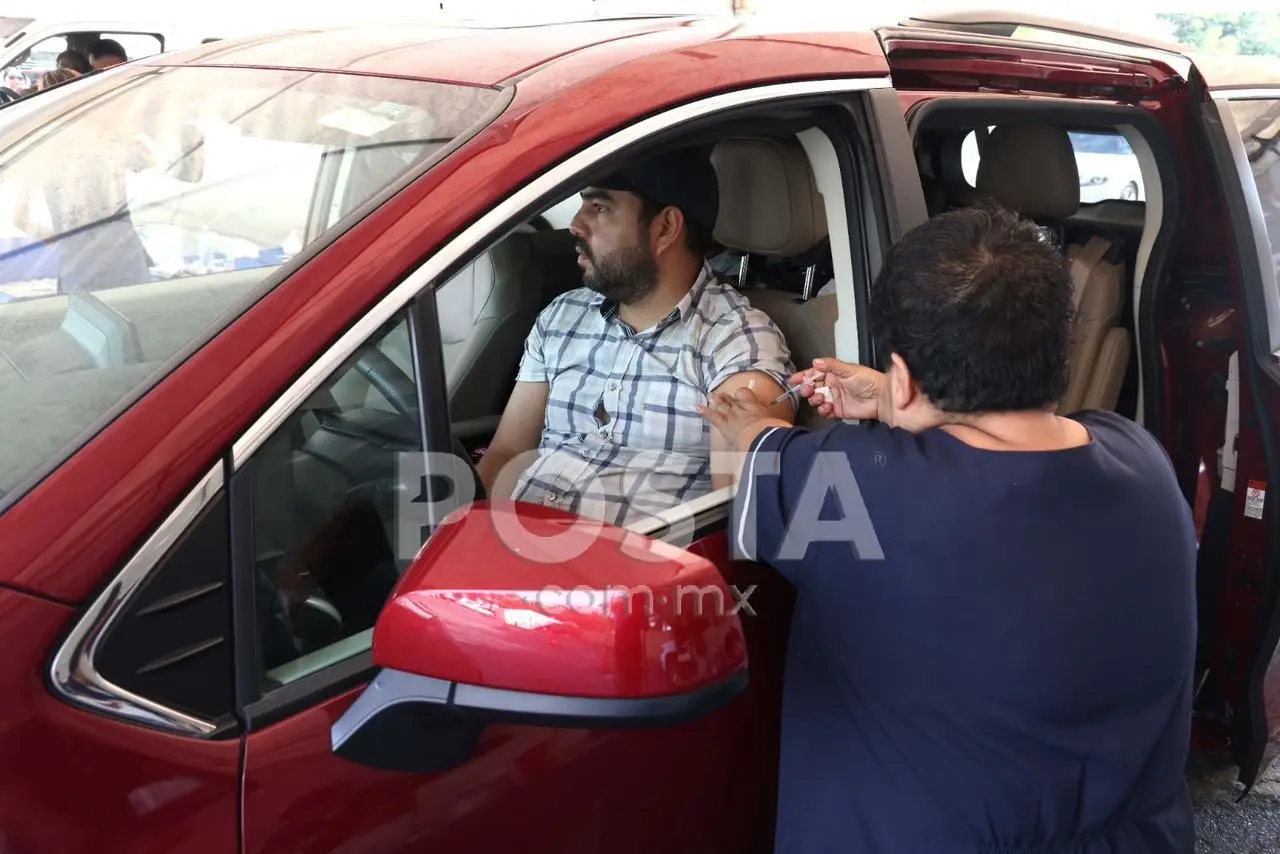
{"points": [[603, 421]]}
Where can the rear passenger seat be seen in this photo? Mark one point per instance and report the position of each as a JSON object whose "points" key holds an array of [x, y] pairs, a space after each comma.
{"points": [[1032, 169], [770, 205]]}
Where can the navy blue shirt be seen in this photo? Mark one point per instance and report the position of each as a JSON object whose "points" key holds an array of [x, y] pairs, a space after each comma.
{"points": [[1000, 662]]}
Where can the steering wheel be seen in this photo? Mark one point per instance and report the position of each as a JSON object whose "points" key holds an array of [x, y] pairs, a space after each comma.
{"points": [[391, 382], [8, 96], [402, 393]]}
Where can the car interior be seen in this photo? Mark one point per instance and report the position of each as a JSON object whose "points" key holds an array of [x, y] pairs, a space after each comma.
{"points": [[775, 237], [777, 248], [774, 234], [774, 245], [1031, 167]]}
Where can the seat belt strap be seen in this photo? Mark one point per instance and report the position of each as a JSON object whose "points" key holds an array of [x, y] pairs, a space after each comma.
{"points": [[1081, 265]]}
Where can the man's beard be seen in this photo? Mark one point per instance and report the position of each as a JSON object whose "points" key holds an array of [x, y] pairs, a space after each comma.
{"points": [[624, 276]]}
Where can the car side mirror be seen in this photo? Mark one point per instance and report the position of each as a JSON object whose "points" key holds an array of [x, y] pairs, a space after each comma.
{"points": [[529, 615]]}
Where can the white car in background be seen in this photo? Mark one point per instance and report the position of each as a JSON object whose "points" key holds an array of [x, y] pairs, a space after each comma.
{"points": [[1108, 168]]}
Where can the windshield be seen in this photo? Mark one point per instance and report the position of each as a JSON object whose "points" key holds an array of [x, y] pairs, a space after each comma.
{"points": [[137, 211]]}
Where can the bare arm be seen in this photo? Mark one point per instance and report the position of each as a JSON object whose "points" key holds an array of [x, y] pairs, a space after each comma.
{"points": [[519, 431], [766, 389]]}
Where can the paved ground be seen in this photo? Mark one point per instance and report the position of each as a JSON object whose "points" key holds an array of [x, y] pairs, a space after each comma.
{"points": [[1226, 827]]}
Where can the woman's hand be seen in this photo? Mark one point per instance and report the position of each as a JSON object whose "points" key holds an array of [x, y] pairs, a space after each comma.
{"points": [[841, 390], [739, 417]]}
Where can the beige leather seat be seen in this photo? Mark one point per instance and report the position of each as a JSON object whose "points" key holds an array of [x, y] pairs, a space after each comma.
{"points": [[485, 313], [770, 205], [1032, 168]]}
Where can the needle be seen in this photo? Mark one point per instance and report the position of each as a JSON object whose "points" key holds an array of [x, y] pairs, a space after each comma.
{"points": [[796, 388]]}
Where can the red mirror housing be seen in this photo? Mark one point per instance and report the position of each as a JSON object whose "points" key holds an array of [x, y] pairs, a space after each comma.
{"points": [[529, 614]]}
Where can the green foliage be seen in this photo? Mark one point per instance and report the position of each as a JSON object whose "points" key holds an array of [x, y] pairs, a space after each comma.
{"points": [[1246, 33]]}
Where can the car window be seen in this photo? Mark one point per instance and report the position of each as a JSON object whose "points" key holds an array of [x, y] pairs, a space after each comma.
{"points": [[24, 72], [137, 45], [1107, 165], [559, 215], [1258, 122], [136, 213], [327, 534]]}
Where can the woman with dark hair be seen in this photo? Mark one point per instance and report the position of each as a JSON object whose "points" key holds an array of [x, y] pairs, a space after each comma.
{"points": [[994, 633], [57, 77]]}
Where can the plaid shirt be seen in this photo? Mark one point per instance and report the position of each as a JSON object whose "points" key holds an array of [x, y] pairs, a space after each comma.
{"points": [[621, 439]]}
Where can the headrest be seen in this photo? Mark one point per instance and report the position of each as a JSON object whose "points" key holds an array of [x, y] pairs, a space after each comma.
{"points": [[460, 301], [1032, 169], [769, 202]]}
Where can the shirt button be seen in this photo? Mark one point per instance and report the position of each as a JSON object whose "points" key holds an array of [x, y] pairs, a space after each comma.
{"points": [[553, 497], [613, 386]]}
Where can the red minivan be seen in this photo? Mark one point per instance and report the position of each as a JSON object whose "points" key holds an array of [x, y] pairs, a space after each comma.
{"points": [[263, 302]]}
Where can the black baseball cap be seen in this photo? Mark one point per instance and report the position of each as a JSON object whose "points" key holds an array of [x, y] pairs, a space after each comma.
{"points": [[683, 178]]}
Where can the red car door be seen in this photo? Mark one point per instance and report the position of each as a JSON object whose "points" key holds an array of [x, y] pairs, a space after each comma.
{"points": [[1242, 127]]}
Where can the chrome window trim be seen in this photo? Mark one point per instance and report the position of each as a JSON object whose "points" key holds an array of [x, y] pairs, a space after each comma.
{"points": [[73, 673], [484, 228]]}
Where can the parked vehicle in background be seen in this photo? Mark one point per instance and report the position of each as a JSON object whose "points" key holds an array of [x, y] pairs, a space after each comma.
{"points": [[246, 595], [1107, 166]]}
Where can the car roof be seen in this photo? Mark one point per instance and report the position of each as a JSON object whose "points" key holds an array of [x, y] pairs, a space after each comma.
{"points": [[482, 55], [1223, 70]]}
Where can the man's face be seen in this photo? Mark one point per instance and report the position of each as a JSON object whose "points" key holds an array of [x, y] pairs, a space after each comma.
{"points": [[614, 249], [100, 62]]}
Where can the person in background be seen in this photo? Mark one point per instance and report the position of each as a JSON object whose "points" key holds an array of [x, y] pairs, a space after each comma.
{"points": [[994, 635], [87, 219], [105, 53], [74, 60], [54, 78]]}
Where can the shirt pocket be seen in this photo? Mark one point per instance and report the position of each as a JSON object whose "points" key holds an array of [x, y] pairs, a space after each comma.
{"points": [[675, 428]]}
